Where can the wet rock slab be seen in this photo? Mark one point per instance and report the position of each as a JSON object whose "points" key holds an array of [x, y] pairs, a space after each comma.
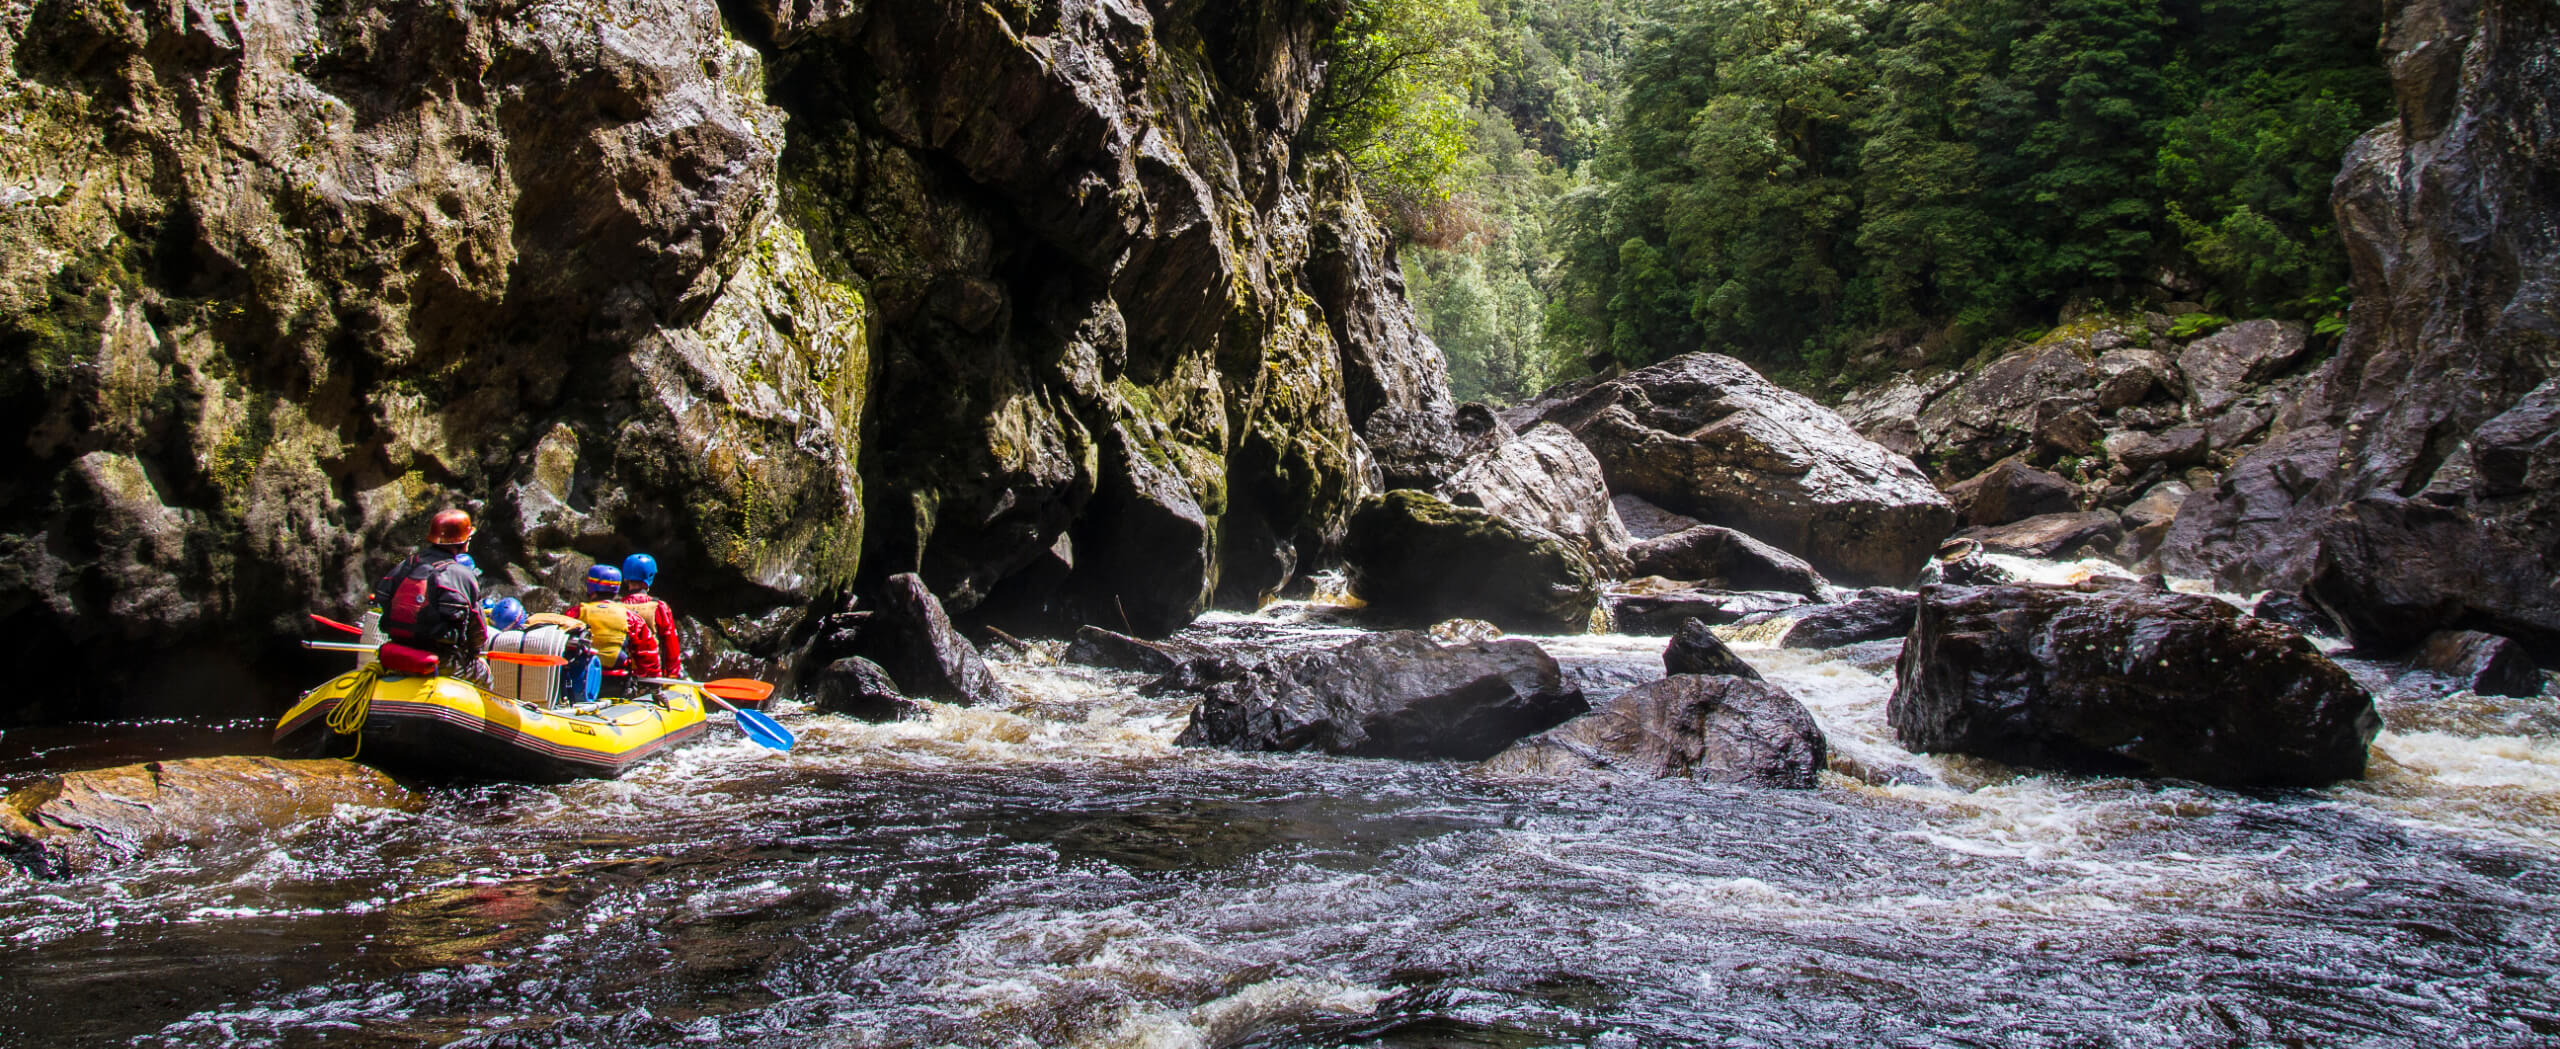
{"points": [[1720, 729], [1660, 612], [1392, 695], [80, 822], [2120, 681], [1416, 558]]}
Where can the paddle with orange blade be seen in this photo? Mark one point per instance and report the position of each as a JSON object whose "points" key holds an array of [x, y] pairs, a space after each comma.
{"points": [[765, 731], [529, 659]]}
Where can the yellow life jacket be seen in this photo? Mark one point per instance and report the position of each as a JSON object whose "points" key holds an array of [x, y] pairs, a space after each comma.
{"points": [[608, 625]]}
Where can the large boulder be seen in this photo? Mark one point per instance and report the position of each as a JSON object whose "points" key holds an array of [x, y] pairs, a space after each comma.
{"points": [[1391, 695], [1547, 480], [1724, 559], [1718, 729], [81, 822], [2391, 571], [1704, 435], [2012, 491], [909, 636], [1415, 558], [2126, 681], [2484, 663], [1889, 414]]}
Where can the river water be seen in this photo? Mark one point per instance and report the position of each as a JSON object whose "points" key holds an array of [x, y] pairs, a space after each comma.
{"points": [[1057, 873]]}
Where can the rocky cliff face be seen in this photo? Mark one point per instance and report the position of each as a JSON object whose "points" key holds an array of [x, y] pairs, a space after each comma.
{"points": [[1038, 300], [2412, 485]]}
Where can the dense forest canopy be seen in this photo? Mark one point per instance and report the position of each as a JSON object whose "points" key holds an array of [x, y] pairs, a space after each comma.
{"points": [[1830, 186]]}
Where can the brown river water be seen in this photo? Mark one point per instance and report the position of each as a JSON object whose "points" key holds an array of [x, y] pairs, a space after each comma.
{"points": [[1057, 873]]}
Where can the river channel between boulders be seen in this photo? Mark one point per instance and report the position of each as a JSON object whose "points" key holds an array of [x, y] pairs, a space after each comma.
{"points": [[1057, 873]]}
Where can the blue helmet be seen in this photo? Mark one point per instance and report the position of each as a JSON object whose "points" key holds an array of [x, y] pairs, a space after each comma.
{"points": [[604, 581], [640, 569], [465, 561], [505, 613]]}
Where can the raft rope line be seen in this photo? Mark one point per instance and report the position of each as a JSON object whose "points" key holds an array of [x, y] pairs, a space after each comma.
{"points": [[347, 718]]}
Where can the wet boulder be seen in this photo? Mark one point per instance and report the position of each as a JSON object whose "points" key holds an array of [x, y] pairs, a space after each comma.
{"points": [[1986, 417], [909, 636], [1696, 649], [1547, 480], [2012, 491], [1874, 615], [1724, 559], [858, 688], [1660, 612], [2130, 377], [80, 822], [1718, 729], [2176, 448], [1415, 558], [2222, 366], [2126, 681], [1706, 436], [1390, 695], [1960, 562], [2278, 606], [2052, 535], [2392, 571], [1647, 521], [1889, 414], [2484, 663]]}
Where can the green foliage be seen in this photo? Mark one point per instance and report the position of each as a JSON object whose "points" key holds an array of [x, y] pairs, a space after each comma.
{"points": [[1394, 98], [2197, 325], [1488, 294], [1796, 181]]}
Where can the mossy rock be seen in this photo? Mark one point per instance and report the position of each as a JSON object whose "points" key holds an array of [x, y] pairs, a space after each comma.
{"points": [[1414, 557]]}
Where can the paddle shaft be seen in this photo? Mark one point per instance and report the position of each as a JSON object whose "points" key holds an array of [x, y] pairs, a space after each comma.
{"points": [[530, 659]]}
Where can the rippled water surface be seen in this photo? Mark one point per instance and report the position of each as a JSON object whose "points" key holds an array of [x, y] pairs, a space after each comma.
{"points": [[1058, 874]]}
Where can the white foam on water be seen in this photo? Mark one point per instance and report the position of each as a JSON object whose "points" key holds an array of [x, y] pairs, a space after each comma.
{"points": [[2503, 788]]}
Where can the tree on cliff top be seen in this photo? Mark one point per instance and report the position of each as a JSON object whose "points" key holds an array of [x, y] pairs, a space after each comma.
{"points": [[1394, 100]]}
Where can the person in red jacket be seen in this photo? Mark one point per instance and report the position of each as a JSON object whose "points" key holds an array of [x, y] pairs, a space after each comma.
{"points": [[638, 571], [431, 601]]}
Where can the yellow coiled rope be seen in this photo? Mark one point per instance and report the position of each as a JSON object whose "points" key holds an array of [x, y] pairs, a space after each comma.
{"points": [[347, 718]]}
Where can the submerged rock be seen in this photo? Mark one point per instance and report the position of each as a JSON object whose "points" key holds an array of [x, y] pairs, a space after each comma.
{"points": [[1695, 649], [911, 638], [1724, 559], [2277, 606], [2126, 681], [1391, 695], [2053, 535], [2484, 663], [1660, 612], [1415, 558], [1875, 615], [1096, 647], [81, 822], [1705, 435], [858, 688], [1719, 729]]}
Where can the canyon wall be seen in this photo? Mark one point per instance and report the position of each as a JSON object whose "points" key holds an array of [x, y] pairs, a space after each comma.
{"points": [[2415, 484], [1045, 301]]}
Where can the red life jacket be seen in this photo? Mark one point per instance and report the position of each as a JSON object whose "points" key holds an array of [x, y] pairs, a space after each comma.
{"points": [[410, 612]]}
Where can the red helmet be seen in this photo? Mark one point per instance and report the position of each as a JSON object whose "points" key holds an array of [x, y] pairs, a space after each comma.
{"points": [[450, 528]]}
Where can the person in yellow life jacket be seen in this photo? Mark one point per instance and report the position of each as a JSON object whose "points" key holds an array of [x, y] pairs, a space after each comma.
{"points": [[615, 630], [638, 571]]}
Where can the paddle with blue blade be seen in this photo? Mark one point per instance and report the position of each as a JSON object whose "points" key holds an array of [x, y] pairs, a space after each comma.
{"points": [[765, 731]]}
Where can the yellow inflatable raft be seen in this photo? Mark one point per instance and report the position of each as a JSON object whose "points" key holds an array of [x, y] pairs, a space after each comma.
{"points": [[442, 726]]}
